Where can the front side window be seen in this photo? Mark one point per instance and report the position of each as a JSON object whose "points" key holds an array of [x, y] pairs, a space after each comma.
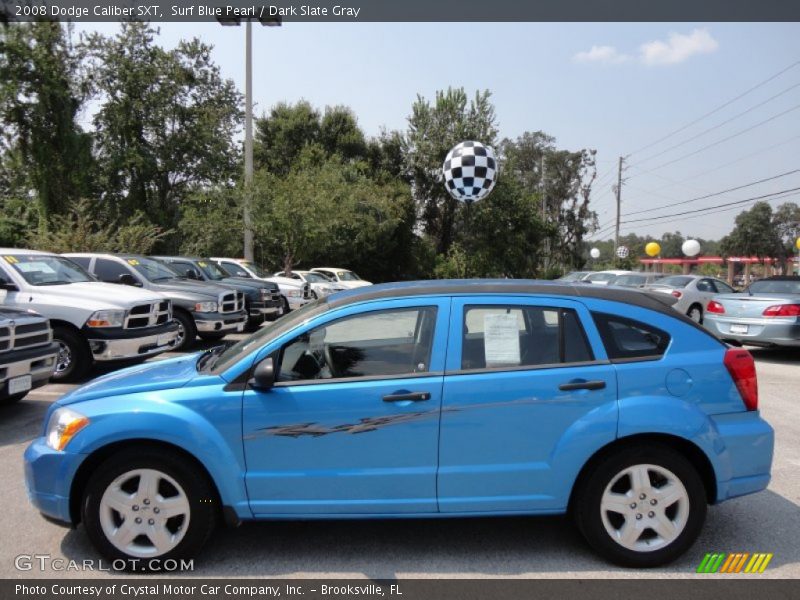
{"points": [[211, 270], [521, 336], [348, 276], [43, 269], [150, 269], [722, 287], [109, 270], [628, 339], [383, 343]]}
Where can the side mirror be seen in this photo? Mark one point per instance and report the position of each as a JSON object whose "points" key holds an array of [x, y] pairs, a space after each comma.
{"points": [[263, 375], [193, 274], [8, 286], [128, 279]]}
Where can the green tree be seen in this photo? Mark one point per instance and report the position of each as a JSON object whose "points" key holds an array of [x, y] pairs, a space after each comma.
{"points": [[753, 235], [284, 134], [786, 222], [166, 123], [40, 98], [211, 219], [433, 129]]}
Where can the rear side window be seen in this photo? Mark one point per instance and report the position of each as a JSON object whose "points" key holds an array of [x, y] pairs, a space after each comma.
{"points": [[626, 339], [521, 336]]}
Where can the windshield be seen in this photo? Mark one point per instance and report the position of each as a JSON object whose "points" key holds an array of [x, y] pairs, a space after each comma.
{"points": [[676, 282], [150, 269], [212, 270], [348, 276], [39, 269], [316, 278], [258, 271], [574, 276], [600, 277], [250, 344], [630, 280], [775, 286]]}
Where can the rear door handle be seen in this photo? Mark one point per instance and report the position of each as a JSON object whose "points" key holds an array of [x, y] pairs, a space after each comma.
{"points": [[407, 396], [597, 384]]}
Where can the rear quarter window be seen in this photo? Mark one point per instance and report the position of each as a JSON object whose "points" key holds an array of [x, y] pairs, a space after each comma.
{"points": [[627, 339]]}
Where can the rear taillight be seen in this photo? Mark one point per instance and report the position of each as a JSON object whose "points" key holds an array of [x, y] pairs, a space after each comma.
{"points": [[715, 307], [782, 310], [676, 293], [742, 367]]}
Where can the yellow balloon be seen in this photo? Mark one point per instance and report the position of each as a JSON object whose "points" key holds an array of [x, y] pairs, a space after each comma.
{"points": [[652, 249], [797, 243]]}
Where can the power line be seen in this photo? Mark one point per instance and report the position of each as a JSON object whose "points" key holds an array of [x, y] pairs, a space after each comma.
{"points": [[718, 108], [708, 208], [733, 189], [723, 140], [718, 125]]}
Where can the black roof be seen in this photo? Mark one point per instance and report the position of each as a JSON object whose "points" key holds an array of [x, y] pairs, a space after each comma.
{"points": [[656, 301]]}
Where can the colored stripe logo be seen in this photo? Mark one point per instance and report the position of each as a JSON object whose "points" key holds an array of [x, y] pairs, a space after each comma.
{"points": [[736, 562]]}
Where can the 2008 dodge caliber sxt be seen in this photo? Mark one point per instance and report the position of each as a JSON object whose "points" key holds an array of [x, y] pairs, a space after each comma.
{"points": [[439, 398]]}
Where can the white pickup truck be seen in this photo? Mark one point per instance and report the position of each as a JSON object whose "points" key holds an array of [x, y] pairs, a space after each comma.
{"points": [[91, 321]]}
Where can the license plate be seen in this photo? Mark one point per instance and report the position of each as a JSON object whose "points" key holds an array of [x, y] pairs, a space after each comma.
{"points": [[163, 339], [240, 327], [737, 328], [19, 384]]}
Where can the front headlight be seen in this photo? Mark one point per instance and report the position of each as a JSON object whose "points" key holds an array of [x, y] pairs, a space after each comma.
{"points": [[295, 293], [64, 423], [106, 318], [206, 307]]}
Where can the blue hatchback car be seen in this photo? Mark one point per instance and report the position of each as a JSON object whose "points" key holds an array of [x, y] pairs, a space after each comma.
{"points": [[422, 399]]}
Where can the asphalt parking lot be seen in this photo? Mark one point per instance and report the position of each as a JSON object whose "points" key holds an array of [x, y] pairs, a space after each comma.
{"points": [[446, 548]]}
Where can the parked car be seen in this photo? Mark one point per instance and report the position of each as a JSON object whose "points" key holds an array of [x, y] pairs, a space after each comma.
{"points": [[603, 277], [343, 277], [574, 276], [766, 313], [437, 398], [692, 291], [91, 321], [320, 284], [295, 294], [198, 308], [262, 299], [636, 280], [27, 353]]}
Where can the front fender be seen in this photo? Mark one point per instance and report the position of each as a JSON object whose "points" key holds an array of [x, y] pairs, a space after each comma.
{"points": [[202, 433]]}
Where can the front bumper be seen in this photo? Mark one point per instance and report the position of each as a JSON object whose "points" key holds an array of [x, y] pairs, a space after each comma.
{"points": [[48, 476], [266, 309], [36, 362], [123, 344], [297, 302], [775, 331], [211, 322], [746, 447]]}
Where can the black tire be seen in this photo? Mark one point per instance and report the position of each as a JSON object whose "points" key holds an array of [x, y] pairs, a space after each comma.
{"points": [[12, 399], [198, 489], [212, 336], [286, 308], [590, 490], [699, 309], [186, 323], [76, 360]]}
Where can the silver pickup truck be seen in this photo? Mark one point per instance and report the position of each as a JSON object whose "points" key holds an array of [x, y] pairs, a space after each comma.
{"points": [[27, 353]]}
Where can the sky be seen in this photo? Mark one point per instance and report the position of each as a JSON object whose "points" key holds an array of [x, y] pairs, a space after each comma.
{"points": [[620, 89]]}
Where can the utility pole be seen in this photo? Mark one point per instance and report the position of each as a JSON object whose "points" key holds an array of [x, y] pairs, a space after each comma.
{"points": [[248, 142], [542, 193], [619, 202]]}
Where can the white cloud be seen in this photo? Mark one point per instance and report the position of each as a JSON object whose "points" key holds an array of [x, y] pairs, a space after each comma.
{"points": [[677, 48], [600, 54]]}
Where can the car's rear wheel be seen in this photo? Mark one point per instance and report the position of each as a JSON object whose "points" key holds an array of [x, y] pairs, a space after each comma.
{"points": [[642, 506], [695, 313], [73, 359], [142, 505]]}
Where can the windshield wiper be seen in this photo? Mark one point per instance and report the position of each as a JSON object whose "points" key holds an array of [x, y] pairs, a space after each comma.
{"points": [[210, 357]]}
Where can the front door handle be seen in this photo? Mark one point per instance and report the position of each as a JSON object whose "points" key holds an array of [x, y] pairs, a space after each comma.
{"points": [[597, 384], [407, 396]]}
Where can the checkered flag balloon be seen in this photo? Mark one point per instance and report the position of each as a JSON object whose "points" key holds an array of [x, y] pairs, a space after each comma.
{"points": [[470, 171], [623, 252]]}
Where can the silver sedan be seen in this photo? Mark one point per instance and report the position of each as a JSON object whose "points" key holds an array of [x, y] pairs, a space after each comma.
{"points": [[767, 313]]}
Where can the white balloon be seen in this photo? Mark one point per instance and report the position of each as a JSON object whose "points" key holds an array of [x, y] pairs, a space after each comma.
{"points": [[691, 247], [594, 252], [470, 171]]}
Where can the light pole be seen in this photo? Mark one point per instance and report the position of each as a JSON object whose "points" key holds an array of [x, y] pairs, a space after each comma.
{"points": [[248, 120]]}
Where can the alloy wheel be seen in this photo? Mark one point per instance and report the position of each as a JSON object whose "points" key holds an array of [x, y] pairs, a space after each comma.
{"points": [[64, 358]]}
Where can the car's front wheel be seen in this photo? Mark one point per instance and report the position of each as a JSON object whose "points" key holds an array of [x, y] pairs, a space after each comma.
{"points": [[146, 504], [642, 506]]}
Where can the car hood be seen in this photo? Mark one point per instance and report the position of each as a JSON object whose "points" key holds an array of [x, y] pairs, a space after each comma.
{"points": [[191, 287], [253, 283], [285, 281], [106, 295], [147, 377]]}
